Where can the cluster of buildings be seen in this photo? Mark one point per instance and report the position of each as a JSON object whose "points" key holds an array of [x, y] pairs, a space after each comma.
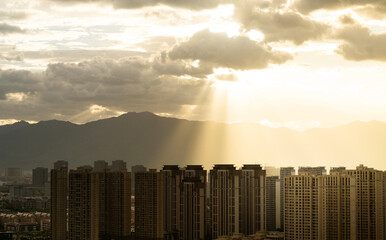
{"points": [[346, 204], [25, 222], [224, 203], [98, 201], [174, 204], [24, 193]]}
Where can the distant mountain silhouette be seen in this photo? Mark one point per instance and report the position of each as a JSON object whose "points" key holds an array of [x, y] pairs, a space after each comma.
{"points": [[151, 140]]}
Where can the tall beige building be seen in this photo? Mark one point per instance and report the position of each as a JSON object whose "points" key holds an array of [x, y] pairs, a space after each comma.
{"points": [[149, 205], [301, 206], [252, 190], [59, 185], [370, 202], [224, 182], [284, 171], [347, 204], [193, 203], [337, 207], [79, 204]]}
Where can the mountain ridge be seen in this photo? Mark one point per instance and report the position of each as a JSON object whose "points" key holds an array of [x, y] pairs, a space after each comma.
{"points": [[152, 140]]}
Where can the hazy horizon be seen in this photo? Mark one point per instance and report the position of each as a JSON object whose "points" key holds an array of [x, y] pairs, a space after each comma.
{"points": [[294, 126]]}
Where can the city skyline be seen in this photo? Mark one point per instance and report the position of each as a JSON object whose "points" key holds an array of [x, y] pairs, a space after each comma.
{"points": [[193, 119], [190, 202]]}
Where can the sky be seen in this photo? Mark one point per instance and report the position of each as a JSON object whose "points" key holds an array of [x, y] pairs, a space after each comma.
{"points": [[296, 63]]}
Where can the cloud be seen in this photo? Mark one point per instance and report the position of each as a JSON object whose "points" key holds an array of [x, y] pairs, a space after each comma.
{"points": [[79, 55], [376, 11], [65, 90], [21, 81], [9, 53], [133, 4], [278, 25], [346, 19], [218, 50], [9, 29], [12, 15], [307, 6], [360, 44], [230, 77]]}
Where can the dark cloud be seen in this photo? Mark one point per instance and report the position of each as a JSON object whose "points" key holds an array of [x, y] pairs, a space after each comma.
{"points": [[132, 4], [278, 25], [218, 50], [9, 29], [65, 90], [15, 81], [307, 6], [361, 44]]}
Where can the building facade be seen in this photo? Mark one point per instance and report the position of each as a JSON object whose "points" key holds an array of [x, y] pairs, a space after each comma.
{"points": [[172, 178], [110, 204], [337, 206], [272, 203], [59, 187], [370, 202], [301, 206], [39, 176], [252, 199], [284, 171], [319, 171], [79, 204], [224, 182], [193, 203], [149, 206]]}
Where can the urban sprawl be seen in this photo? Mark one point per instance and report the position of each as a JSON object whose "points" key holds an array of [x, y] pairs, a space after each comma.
{"points": [[188, 203]]}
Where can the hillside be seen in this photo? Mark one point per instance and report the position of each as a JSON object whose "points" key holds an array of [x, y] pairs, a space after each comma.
{"points": [[151, 140]]}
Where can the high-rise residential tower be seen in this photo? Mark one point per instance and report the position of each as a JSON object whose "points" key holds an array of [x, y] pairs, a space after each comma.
{"points": [[59, 187], [225, 218], [13, 175], [79, 204], [337, 169], [172, 178], [337, 206], [118, 165], [313, 170], [272, 203], [39, 176], [134, 169], [321, 206], [301, 205], [149, 205], [110, 204], [370, 202], [100, 166], [193, 203], [284, 171], [252, 199]]}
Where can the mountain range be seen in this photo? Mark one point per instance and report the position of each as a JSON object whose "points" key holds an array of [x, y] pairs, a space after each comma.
{"points": [[147, 139]]}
